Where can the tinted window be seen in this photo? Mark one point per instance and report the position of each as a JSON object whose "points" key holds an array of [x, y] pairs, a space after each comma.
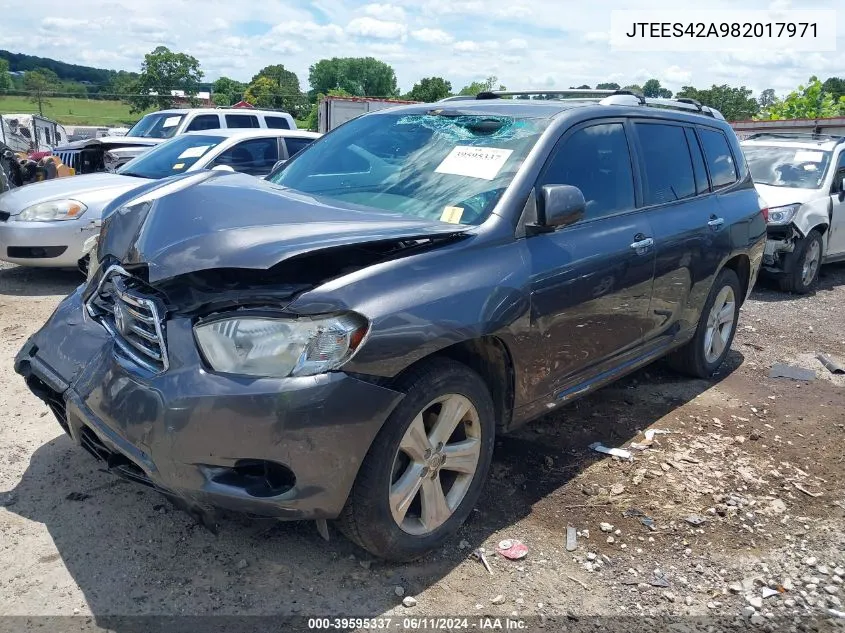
{"points": [[667, 162], [595, 159], [204, 122], [255, 156], [296, 145], [719, 158], [241, 120], [701, 182], [277, 123]]}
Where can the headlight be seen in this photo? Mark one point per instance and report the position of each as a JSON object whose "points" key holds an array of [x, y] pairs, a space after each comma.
{"points": [[280, 347], [783, 215], [53, 210]]}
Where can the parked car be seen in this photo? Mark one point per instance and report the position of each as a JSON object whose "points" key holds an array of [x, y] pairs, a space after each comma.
{"points": [[345, 339], [109, 153], [802, 178], [46, 224]]}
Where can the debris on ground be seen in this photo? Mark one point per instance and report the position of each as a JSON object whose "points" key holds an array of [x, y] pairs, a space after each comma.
{"points": [[8, 499], [605, 527], [242, 564], [833, 366], [615, 452], [500, 599], [77, 496], [807, 492], [639, 514], [782, 370], [768, 592], [399, 590], [571, 539], [409, 602], [512, 549], [479, 555], [649, 439], [695, 520], [580, 582]]}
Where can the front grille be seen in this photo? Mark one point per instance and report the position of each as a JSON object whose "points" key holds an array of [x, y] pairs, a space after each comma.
{"points": [[69, 158], [131, 317], [116, 462]]}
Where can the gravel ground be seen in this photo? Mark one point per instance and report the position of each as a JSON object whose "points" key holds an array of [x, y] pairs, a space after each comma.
{"points": [[745, 494]]}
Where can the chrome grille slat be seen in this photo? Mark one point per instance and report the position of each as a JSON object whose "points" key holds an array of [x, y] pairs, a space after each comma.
{"points": [[132, 319]]}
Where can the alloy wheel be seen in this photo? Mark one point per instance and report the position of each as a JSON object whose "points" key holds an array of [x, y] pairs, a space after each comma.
{"points": [[811, 263], [720, 324], [435, 464]]}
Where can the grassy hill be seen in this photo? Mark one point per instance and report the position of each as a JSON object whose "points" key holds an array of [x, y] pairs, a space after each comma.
{"points": [[74, 111]]}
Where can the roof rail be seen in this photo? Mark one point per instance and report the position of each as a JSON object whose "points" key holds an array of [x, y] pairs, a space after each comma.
{"points": [[611, 97], [797, 135]]}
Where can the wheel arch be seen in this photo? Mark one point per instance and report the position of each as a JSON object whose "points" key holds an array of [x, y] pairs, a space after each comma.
{"points": [[741, 265]]}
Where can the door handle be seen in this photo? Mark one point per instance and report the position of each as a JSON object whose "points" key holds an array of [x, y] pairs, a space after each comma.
{"points": [[643, 243], [715, 222]]}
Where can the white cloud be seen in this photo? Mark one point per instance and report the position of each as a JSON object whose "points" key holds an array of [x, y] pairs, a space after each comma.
{"points": [[219, 24], [676, 74], [389, 12], [378, 29], [65, 23], [516, 44], [596, 36], [467, 46], [432, 36], [307, 31]]}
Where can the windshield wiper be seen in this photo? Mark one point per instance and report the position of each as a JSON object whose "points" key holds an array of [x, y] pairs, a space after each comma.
{"points": [[134, 174]]}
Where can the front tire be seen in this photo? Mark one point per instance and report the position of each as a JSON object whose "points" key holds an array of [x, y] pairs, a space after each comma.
{"points": [[425, 470], [805, 264], [710, 345]]}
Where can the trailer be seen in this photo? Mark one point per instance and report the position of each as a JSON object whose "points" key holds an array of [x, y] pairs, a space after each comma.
{"points": [[335, 111], [834, 126], [27, 133]]}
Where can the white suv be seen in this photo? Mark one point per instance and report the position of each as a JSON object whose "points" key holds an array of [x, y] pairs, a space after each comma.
{"points": [[802, 178]]}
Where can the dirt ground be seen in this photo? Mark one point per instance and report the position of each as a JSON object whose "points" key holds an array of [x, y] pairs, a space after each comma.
{"points": [[745, 493]]}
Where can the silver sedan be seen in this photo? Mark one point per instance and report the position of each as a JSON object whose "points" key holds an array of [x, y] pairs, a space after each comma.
{"points": [[47, 223]]}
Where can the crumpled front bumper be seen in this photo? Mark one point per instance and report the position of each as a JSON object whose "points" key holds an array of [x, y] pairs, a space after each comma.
{"points": [[187, 431]]}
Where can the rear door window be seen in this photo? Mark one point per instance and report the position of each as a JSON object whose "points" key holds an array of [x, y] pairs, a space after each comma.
{"points": [[255, 156], [296, 145], [204, 122], [242, 121], [277, 122], [719, 159], [596, 159], [667, 163]]}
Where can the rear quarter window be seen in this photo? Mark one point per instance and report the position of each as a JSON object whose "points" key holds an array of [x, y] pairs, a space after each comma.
{"points": [[277, 122], [720, 160], [242, 121]]}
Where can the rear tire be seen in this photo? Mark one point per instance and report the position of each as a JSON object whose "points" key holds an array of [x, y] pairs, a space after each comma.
{"points": [[805, 263], [407, 499], [707, 350]]}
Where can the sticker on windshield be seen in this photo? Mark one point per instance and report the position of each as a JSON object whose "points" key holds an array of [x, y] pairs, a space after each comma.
{"points": [[171, 121], [475, 162], [802, 156], [194, 152], [452, 215], [178, 165]]}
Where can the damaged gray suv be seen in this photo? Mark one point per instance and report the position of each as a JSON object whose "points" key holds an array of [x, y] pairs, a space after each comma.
{"points": [[344, 340]]}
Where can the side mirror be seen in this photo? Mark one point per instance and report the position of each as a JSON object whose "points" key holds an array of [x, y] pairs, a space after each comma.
{"points": [[278, 164], [562, 205], [223, 168]]}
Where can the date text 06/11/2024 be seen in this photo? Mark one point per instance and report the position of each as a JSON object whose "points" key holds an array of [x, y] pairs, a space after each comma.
{"points": [[419, 624]]}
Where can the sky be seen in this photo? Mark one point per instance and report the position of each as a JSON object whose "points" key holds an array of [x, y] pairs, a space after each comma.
{"points": [[527, 44]]}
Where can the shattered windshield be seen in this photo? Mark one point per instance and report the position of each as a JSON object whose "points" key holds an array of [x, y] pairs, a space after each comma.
{"points": [[156, 125], [452, 168], [787, 166]]}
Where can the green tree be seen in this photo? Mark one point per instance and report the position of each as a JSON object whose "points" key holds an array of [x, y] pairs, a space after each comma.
{"points": [[161, 72], [39, 83], [611, 85], [226, 92], [5, 77], [123, 84], [276, 87], [807, 102], [735, 104], [481, 86], [430, 89], [767, 98], [833, 85], [652, 88], [584, 87], [358, 76], [634, 88]]}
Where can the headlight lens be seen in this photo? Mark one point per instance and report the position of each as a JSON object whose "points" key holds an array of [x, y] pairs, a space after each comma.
{"points": [[53, 210], [280, 347], [783, 215]]}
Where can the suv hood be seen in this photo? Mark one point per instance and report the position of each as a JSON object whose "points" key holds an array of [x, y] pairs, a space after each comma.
{"points": [[209, 220], [780, 196], [112, 141], [83, 188]]}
